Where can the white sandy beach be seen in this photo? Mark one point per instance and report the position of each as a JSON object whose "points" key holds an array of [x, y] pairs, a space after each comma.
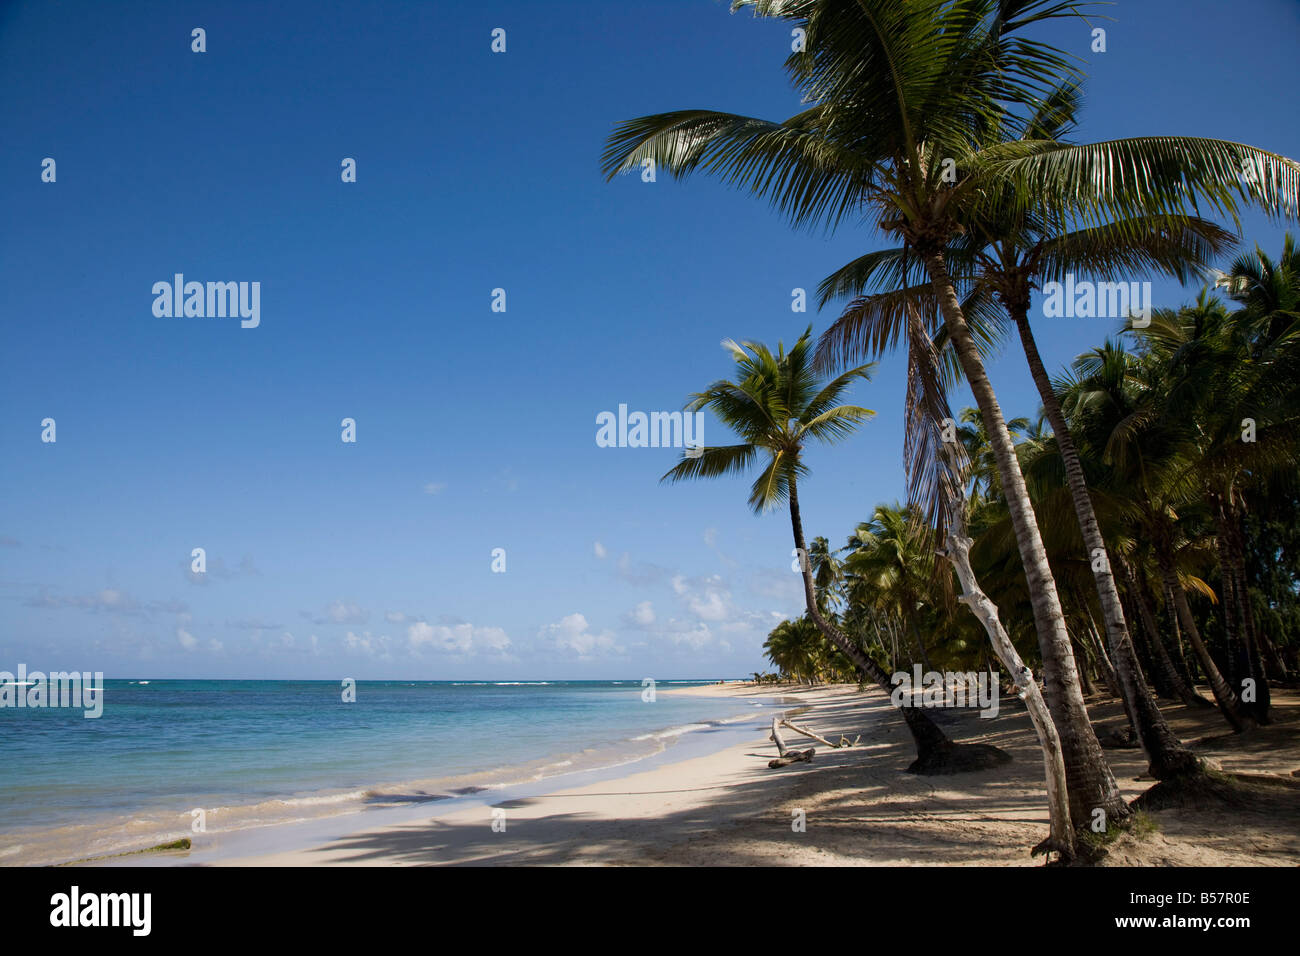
{"points": [[860, 805]]}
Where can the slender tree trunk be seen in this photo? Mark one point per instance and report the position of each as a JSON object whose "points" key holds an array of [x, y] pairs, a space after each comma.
{"points": [[1098, 648], [1275, 659], [1233, 562], [1228, 703], [1058, 798], [930, 740], [1165, 752], [1241, 661], [1237, 661], [1092, 784], [1103, 662], [1180, 687], [1161, 686], [920, 643], [1181, 662], [1084, 654]]}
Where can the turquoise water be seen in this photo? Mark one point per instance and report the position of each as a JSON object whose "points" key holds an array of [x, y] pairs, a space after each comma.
{"points": [[256, 752]]}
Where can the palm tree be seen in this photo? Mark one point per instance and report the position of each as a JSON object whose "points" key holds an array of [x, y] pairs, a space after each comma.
{"points": [[974, 438], [827, 571], [1117, 404], [794, 647], [1268, 296], [903, 93], [1005, 252], [1227, 371], [777, 405], [892, 559], [1169, 679]]}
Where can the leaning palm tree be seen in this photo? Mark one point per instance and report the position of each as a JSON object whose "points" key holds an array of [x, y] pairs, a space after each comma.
{"points": [[903, 94], [777, 405], [1004, 253]]}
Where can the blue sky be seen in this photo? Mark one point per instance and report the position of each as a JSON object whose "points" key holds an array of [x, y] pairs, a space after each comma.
{"points": [[475, 429]]}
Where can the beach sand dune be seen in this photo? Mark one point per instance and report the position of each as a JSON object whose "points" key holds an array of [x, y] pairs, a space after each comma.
{"points": [[858, 804]]}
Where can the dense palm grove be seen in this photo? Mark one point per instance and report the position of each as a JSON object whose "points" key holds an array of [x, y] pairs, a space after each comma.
{"points": [[1139, 535], [1188, 430]]}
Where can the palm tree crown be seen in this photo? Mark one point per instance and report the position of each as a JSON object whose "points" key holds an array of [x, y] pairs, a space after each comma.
{"points": [[777, 404]]}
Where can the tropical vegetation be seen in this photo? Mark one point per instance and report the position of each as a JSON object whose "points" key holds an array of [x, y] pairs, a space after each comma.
{"points": [[1114, 537]]}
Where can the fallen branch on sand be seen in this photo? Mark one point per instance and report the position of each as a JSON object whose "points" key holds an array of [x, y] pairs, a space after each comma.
{"points": [[787, 756], [809, 733]]}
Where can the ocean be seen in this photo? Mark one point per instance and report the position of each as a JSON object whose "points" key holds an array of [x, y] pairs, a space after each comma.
{"points": [[240, 754]]}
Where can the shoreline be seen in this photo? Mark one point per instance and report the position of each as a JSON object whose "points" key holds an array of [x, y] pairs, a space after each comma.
{"points": [[121, 836], [859, 805], [611, 793], [709, 799]]}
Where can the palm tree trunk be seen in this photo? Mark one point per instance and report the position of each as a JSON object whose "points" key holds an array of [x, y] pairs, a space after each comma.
{"points": [[920, 644], [1181, 663], [1095, 646], [1228, 703], [1275, 659], [1165, 752], [1161, 685], [1085, 653], [931, 742], [1103, 661], [1091, 782], [1230, 546], [1237, 661], [1158, 653], [1058, 797]]}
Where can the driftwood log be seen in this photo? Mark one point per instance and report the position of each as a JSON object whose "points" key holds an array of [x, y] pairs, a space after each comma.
{"points": [[787, 756], [809, 733]]}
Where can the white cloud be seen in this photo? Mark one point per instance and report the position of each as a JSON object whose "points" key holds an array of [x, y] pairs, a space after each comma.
{"points": [[341, 613], [434, 487], [572, 634], [600, 550], [643, 615], [420, 633], [708, 598], [693, 634], [364, 643], [458, 638], [188, 640]]}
